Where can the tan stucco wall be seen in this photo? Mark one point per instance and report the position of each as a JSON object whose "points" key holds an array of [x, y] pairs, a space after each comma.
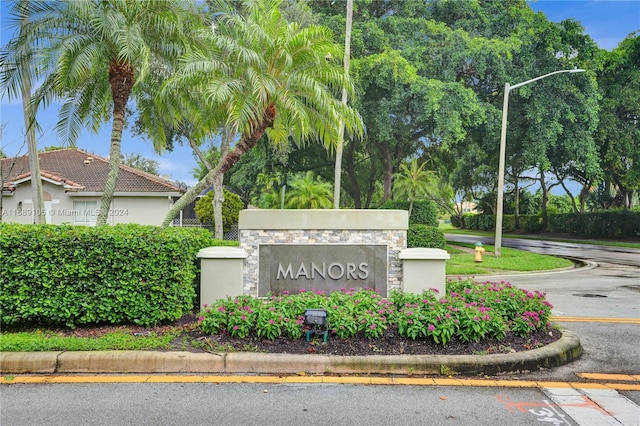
{"points": [[142, 210], [15, 213], [124, 209], [324, 219]]}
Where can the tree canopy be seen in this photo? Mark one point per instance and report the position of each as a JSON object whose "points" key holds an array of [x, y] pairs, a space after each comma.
{"points": [[426, 82]]}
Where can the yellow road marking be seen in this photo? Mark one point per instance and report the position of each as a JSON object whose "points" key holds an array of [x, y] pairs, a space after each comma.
{"points": [[603, 376], [365, 380], [595, 319]]}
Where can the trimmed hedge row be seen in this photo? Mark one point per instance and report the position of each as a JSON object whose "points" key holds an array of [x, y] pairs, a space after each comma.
{"points": [[425, 236], [610, 224], [85, 275], [484, 222], [423, 213]]}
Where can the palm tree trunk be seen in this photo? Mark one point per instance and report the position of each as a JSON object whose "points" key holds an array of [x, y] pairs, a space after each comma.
{"points": [[338, 166], [244, 145], [121, 80], [218, 190], [39, 215], [32, 144], [114, 168]]}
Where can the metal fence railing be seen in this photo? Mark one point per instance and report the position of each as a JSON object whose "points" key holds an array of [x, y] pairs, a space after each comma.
{"points": [[231, 235]]}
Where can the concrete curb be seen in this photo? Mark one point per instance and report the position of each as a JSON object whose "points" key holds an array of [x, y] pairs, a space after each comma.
{"points": [[561, 352]]}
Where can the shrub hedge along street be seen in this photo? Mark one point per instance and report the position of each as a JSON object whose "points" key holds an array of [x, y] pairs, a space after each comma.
{"points": [[607, 224], [114, 274]]}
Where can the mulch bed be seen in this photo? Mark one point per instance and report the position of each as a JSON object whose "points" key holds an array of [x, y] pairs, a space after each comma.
{"points": [[389, 344]]}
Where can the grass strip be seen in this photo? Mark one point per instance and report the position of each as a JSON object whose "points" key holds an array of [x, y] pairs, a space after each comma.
{"points": [[47, 341]]}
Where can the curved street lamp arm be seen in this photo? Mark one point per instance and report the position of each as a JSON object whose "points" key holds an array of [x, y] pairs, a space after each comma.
{"points": [[543, 76]]}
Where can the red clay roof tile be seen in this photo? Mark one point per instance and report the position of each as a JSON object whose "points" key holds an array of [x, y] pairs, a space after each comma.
{"points": [[82, 171]]}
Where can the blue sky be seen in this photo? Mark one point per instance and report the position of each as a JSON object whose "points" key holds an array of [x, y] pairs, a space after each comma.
{"points": [[608, 22]]}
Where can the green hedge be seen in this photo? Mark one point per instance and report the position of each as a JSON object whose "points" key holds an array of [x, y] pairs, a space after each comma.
{"points": [[81, 275], [480, 222], [425, 236], [531, 223], [609, 224], [423, 213]]}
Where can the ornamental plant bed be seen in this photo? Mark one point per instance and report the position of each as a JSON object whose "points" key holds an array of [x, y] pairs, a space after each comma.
{"points": [[473, 318]]}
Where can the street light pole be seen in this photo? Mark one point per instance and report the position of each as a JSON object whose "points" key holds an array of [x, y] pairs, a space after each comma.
{"points": [[503, 148]]}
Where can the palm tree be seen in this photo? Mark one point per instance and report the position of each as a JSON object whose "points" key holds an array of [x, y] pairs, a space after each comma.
{"points": [[270, 200], [413, 182], [96, 53], [309, 193], [264, 76], [19, 61]]}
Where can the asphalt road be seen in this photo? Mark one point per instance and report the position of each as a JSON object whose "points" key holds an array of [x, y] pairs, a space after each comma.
{"points": [[267, 404], [599, 254]]}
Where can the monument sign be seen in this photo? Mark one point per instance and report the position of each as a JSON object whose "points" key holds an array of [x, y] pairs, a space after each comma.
{"points": [[323, 267]]}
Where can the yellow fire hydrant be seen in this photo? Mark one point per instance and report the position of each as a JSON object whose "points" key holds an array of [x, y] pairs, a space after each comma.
{"points": [[479, 250]]}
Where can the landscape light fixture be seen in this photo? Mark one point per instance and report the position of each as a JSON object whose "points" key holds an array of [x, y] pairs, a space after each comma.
{"points": [[503, 144], [316, 322]]}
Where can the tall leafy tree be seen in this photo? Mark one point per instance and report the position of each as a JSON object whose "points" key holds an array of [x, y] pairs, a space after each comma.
{"points": [[406, 102], [138, 161], [618, 133], [265, 75], [96, 53], [551, 122]]}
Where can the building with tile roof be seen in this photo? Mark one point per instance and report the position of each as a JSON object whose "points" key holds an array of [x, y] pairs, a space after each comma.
{"points": [[73, 181]]}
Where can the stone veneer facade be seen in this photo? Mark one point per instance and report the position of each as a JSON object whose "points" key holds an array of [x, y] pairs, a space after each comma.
{"points": [[377, 227]]}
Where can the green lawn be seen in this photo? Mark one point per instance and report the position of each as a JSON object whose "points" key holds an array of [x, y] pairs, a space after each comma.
{"points": [[462, 261]]}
